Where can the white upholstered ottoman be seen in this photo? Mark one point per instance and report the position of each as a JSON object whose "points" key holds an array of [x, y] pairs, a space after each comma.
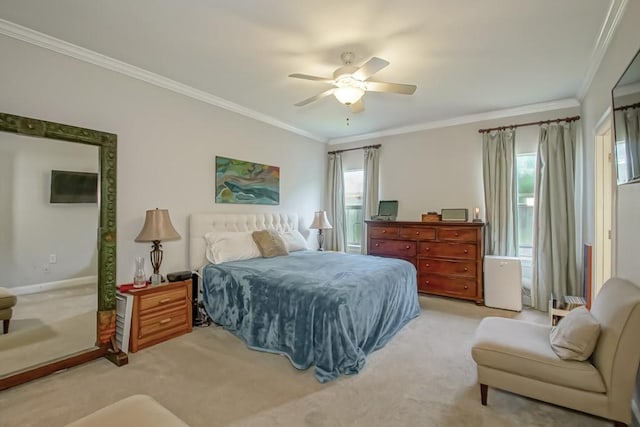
{"points": [[137, 410]]}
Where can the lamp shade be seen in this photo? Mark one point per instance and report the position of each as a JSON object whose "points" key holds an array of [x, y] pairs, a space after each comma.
{"points": [[320, 221], [348, 94], [157, 227]]}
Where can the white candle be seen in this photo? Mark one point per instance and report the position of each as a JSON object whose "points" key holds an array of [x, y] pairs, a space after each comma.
{"points": [[477, 211]]}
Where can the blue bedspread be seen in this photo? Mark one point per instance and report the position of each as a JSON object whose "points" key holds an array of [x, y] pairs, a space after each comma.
{"points": [[326, 309]]}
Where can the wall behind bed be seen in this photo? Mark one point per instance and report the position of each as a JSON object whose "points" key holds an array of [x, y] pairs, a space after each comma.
{"points": [[167, 144]]}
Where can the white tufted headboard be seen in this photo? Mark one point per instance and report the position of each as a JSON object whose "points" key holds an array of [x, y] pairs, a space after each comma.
{"points": [[202, 223]]}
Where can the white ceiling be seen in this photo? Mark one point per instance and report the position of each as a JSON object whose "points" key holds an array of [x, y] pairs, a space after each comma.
{"points": [[467, 57]]}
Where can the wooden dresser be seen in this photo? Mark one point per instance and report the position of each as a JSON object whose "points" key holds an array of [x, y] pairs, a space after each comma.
{"points": [[159, 313], [447, 255]]}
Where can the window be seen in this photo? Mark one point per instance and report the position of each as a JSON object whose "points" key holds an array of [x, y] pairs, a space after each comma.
{"points": [[353, 185], [526, 172]]}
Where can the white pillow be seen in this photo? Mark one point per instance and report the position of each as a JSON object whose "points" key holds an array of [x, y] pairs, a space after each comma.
{"points": [[576, 335], [224, 246], [294, 241]]}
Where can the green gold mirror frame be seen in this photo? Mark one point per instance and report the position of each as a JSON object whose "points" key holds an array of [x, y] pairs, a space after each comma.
{"points": [[106, 310]]}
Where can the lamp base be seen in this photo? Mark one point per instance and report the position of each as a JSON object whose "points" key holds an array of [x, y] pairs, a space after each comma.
{"points": [[156, 279]]}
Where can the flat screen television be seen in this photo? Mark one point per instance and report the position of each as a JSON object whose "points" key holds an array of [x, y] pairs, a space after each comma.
{"points": [[73, 187]]}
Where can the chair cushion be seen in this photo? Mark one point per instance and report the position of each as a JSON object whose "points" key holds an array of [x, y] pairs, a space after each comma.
{"points": [[523, 348], [7, 299], [576, 335]]}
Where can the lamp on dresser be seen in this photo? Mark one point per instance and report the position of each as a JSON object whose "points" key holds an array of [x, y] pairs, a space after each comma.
{"points": [[157, 227], [320, 222]]}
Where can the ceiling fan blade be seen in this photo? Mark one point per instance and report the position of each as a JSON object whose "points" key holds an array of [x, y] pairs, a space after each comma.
{"points": [[391, 87], [357, 107], [371, 67], [314, 98], [308, 77]]}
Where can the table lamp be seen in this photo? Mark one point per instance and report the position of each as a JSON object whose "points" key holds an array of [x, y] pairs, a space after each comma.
{"points": [[320, 222], [157, 227]]}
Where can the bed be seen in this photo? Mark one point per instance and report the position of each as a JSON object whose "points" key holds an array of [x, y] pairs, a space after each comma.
{"points": [[322, 309]]}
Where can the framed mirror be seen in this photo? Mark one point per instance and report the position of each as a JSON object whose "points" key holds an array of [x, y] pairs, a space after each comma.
{"points": [[58, 251], [626, 114]]}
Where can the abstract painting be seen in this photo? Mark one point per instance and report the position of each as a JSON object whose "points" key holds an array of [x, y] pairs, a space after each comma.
{"points": [[238, 181]]}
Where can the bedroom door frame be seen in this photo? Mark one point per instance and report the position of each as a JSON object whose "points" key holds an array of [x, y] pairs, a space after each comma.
{"points": [[604, 203]]}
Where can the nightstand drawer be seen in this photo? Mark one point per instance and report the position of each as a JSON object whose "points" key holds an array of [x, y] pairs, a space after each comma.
{"points": [[162, 299], [160, 313], [164, 322]]}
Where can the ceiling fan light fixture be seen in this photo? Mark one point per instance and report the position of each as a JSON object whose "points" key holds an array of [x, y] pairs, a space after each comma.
{"points": [[348, 95]]}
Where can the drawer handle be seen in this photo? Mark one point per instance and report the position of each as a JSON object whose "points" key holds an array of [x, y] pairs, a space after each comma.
{"points": [[466, 269], [417, 233], [457, 234], [407, 247], [427, 249], [384, 231], [426, 281], [165, 321], [466, 251], [377, 245], [466, 286], [164, 301], [426, 265]]}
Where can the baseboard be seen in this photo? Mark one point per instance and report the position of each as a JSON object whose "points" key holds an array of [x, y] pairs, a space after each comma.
{"points": [[49, 286]]}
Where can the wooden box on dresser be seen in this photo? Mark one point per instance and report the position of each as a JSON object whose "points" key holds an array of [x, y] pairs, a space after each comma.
{"points": [[447, 255], [159, 313]]}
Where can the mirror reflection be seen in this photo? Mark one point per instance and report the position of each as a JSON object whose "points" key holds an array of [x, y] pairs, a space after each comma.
{"points": [[626, 113], [48, 249]]}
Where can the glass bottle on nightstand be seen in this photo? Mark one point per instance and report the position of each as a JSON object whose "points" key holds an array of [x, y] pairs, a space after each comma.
{"points": [[139, 277]]}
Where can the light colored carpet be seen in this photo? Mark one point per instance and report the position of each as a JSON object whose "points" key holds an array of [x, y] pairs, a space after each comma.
{"points": [[424, 377], [48, 325], [40, 344]]}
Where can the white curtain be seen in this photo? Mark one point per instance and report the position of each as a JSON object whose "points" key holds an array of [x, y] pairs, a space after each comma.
{"points": [[370, 197], [336, 238], [631, 120], [500, 192], [555, 261]]}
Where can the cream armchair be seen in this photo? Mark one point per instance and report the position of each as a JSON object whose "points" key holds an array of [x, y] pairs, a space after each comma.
{"points": [[517, 356]]}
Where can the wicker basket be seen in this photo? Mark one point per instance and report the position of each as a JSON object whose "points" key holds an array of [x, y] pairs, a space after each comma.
{"points": [[430, 217]]}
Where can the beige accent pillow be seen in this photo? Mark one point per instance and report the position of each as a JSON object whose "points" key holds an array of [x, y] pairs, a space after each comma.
{"points": [[576, 335], [269, 243]]}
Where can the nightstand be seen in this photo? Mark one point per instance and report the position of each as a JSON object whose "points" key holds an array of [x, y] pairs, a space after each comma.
{"points": [[159, 313]]}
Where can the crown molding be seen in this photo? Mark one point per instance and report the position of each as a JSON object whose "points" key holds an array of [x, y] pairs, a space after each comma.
{"points": [[609, 26], [45, 41], [463, 120]]}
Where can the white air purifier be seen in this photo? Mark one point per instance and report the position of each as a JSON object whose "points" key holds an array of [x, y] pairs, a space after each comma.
{"points": [[503, 282]]}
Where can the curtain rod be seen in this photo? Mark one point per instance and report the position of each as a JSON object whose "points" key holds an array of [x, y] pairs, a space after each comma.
{"points": [[626, 107], [541, 122], [356, 148]]}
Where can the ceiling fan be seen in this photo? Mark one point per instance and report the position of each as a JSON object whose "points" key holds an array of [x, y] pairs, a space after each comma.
{"points": [[351, 82]]}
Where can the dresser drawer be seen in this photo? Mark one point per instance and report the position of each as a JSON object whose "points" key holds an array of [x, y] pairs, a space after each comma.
{"points": [[381, 232], [444, 285], [457, 268], [417, 233], [160, 300], [457, 234], [447, 250], [397, 248]]}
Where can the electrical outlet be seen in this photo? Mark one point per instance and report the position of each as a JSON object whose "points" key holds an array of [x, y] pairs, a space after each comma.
{"points": [[53, 259]]}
